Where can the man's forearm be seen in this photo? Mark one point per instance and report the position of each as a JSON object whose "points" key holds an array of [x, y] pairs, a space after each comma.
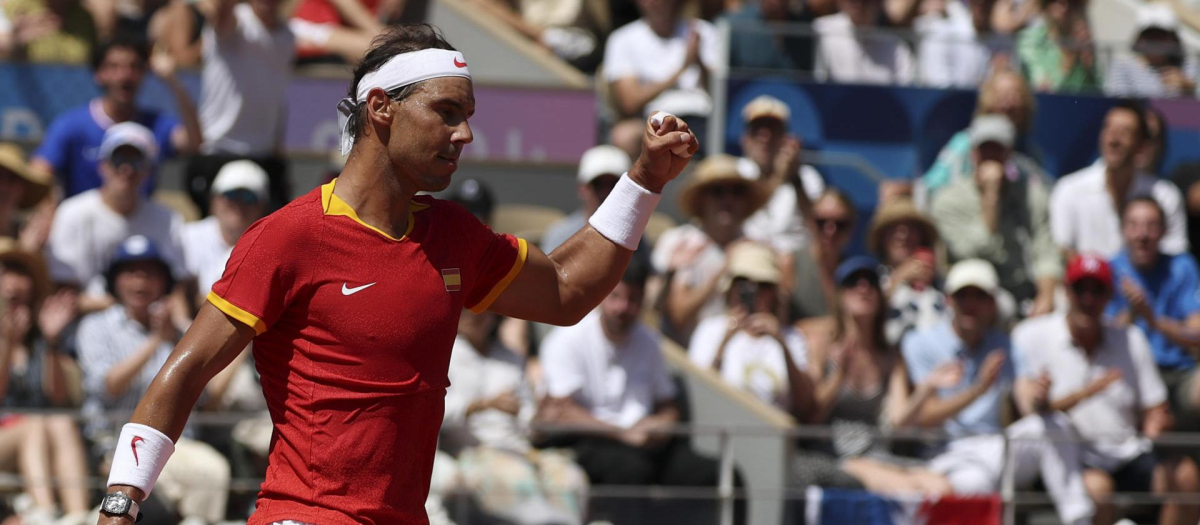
{"points": [[936, 411], [1178, 333], [1065, 404], [187, 112]]}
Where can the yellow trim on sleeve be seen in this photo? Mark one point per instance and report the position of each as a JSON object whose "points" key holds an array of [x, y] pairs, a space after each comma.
{"points": [[233, 311], [522, 253], [334, 205]]}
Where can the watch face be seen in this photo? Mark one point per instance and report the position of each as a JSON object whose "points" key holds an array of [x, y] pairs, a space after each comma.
{"points": [[116, 503]]}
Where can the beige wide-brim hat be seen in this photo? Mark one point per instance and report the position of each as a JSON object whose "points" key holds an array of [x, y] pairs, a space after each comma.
{"points": [[754, 262], [714, 170], [36, 189], [896, 212], [12, 253]]}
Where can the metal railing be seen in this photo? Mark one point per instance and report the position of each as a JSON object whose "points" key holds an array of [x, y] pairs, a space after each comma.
{"points": [[726, 494]]}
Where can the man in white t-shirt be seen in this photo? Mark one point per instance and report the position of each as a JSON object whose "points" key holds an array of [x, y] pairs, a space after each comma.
{"points": [[239, 198], [1104, 377], [751, 348], [1083, 216], [852, 48], [775, 155], [248, 52], [599, 169], [88, 227], [607, 374], [489, 404], [661, 61]]}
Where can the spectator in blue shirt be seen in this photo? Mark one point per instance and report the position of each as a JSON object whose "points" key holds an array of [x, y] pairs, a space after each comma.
{"points": [[70, 147], [971, 411], [1158, 293]]}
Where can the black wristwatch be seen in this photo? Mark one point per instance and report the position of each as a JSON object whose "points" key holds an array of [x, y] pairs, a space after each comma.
{"points": [[118, 504]]}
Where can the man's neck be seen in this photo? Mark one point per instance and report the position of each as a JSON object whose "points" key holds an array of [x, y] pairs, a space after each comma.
{"points": [[971, 340], [122, 204], [375, 193], [663, 27], [614, 337], [1119, 178], [116, 111], [141, 316]]}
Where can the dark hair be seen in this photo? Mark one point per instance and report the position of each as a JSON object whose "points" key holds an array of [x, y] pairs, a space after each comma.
{"points": [[121, 41], [1139, 111], [1144, 199], [396, 40], [110, 277], [637, 272]]}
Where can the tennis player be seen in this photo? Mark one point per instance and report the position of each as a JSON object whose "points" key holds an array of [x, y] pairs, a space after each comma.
{"points": [[352, 293]]}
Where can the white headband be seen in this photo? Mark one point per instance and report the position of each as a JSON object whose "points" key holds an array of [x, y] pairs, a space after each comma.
{"points": [[400, 71]]}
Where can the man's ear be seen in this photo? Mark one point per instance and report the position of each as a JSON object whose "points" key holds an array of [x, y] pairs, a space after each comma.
{"points": [[379, 107]]}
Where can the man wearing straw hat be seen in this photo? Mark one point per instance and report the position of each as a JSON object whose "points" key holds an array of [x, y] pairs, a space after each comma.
{"points": [[352, 294], [717, 199], [792, 186], [1002, 217], [20, 190]]}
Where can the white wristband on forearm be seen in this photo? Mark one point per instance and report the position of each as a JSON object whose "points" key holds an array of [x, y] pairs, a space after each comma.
{"points": [[141, 453], [625, 212]]}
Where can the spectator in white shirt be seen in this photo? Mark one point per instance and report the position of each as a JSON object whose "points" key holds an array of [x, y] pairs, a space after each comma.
{"points": [[88, 227], [1104, 377], [607, 374], [957, 45], [599, 169], [660, 62], [793, 186], [1160, 66], [752, 347], [853, 50], [488, 408], [239, 198], [248, 52], [692, 256], [1084, 205]]}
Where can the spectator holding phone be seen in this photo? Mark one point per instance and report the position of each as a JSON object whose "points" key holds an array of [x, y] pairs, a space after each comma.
{"points": [[904, 240], [753, 347], [1159, 67]]}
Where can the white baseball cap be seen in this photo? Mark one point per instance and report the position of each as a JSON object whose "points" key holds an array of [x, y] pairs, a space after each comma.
{"points": [[241, 175], [1159, 16], [992, 128], [129, 134], [603, 160], [972, 272]]}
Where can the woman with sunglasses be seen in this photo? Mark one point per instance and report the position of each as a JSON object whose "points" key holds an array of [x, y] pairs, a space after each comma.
{"points": [[861, 385], [811, 283]]}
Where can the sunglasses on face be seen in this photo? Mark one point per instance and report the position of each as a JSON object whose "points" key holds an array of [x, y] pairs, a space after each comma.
{"points": [[134, 160], [838, 224], [857, 278], [242, 196], [1091, 286], [732, 190]]}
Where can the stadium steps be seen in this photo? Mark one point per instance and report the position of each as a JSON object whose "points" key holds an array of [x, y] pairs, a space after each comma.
{"points": [[497, 53]]}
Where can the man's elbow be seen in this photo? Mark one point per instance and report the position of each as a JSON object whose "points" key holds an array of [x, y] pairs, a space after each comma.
{"points": [[568, 316]]}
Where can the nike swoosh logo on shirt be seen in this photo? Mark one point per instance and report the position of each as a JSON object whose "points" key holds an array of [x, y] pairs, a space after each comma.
{"points": [[352, 291]]}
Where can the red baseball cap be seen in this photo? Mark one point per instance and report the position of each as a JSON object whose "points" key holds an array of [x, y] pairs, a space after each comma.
{"points": [[1089, 266]]}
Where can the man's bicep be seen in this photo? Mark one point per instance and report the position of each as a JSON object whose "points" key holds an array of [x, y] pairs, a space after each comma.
{"points": [[213, 340], [532, 292]]}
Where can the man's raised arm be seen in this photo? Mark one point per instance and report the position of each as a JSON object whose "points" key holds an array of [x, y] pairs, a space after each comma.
{"points": [[212, 342], [562, 287]]}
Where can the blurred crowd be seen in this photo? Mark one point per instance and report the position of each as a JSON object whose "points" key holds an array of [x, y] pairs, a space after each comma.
{"points": [[997, 300]]}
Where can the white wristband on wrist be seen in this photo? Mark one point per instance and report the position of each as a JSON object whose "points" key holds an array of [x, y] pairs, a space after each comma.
{"points": [[623, 216], [141, 454]]}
